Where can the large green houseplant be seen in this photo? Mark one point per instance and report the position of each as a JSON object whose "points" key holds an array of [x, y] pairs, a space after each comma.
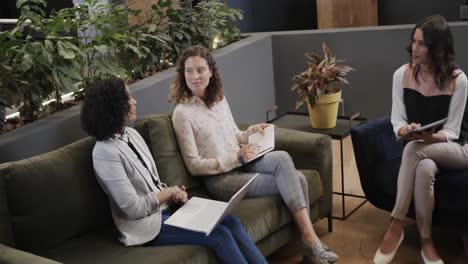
{"points": [[320, 86], [48, 55]]}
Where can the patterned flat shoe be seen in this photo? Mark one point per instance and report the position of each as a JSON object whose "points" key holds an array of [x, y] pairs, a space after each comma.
{"points": [[321, 253]]}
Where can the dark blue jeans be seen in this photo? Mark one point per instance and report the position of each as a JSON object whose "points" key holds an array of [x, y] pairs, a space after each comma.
{"points": [[228, 240]]}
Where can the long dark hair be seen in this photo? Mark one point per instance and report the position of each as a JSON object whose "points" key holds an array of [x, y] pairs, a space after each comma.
{"points": [[438, 38], [105, 109], [180, 92]]}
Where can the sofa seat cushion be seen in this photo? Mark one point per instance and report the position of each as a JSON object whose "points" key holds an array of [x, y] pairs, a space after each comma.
{"points": [[451, 190], [264, 215], [159, 134], [386, 176], [54, 197], [315, 185], [103, 247]]}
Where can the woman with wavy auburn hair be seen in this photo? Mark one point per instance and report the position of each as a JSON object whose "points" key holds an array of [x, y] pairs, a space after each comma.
{"points": [[213, 147]]}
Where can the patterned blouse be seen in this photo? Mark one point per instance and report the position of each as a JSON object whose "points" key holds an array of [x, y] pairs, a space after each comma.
{"points": [[208, 138]]}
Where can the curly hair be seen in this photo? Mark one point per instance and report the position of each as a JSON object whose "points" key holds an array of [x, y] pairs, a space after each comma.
{"points": [[180, 92], [438, 38], [105, 108]]}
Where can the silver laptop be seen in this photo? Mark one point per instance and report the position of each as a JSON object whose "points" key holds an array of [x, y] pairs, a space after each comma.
{"points": [[202, 215]]}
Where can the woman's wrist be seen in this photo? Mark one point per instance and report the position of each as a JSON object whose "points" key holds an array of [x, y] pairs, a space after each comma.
{"points": [[241, 159]]}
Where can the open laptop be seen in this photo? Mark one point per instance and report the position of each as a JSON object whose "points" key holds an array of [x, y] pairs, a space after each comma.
{"points": [[202, 215]]}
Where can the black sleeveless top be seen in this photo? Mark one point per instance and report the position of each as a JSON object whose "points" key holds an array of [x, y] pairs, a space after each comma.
{"points": [[427, 109]]}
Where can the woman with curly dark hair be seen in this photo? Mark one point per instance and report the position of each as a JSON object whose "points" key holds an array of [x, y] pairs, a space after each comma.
{"points": [[427, 89], [211, 145], [139, 201]]}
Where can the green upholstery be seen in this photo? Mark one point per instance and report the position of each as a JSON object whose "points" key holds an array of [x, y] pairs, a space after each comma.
{"points": [[54, 197], [310, 152], [163, 146], [10, 255], [6, 230], [103, 247], [51, 204]]}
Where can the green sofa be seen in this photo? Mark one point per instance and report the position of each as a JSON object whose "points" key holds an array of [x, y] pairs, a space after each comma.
{"points": [[53, 210]]}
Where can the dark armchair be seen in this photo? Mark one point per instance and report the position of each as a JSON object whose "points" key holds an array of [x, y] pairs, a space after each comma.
{"points": [[378, 158]]}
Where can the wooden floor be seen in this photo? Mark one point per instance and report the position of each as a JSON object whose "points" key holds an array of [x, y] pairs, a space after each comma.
{"points": [[356, 239]]}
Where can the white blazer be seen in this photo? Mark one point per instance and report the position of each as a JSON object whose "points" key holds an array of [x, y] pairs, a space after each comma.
{"points": [[128, 184]]}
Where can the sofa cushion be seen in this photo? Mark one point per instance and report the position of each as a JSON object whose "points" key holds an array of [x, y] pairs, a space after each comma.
{"points": [[102, 247], [451, 190], [6, 231], [165, 150], [10, 255], [386, 175], [54, 196], [315, 185], [264, 215]]}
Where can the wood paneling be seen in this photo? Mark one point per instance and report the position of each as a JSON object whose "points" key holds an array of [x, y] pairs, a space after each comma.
{"points": [[346, 13]]}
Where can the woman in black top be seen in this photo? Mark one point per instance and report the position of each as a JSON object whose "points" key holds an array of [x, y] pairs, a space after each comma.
{"points": [[425, 90]]}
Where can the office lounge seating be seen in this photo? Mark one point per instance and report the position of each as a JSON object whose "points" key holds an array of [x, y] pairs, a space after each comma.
{"points": [[53, 210], [378, 158]]}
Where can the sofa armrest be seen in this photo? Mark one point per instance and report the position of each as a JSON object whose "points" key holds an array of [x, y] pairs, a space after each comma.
{"points": [[375, 141], [10, 255], [310, 151]]}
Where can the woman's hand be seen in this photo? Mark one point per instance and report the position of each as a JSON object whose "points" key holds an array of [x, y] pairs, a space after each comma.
{"points": [[179, 195], [172, 194], [247, 152], [429, 137], [405, 129], [259, 127]]}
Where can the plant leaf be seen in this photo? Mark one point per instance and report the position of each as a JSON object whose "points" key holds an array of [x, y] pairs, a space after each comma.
{"points": [[64, 51], [27, 62], [300, 101], [103, 49]]}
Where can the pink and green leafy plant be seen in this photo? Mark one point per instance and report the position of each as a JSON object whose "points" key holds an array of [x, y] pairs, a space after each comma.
{"points": [[323, 76]]}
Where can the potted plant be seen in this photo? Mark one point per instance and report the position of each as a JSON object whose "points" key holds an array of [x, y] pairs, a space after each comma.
{"points": [[320, 86]]}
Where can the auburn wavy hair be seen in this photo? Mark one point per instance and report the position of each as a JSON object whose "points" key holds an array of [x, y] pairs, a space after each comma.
{"points": [[180, 92], [438, 38]]}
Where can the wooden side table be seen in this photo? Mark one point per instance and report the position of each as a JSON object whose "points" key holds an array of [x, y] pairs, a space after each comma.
{"points": [[301, 122]]}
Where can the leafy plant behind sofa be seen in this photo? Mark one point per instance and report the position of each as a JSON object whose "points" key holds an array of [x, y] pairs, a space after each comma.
{"points": [[34, 65], [44, 57]]}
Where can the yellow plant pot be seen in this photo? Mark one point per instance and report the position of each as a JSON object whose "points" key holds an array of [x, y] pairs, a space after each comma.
{"points": [[325, 111]]}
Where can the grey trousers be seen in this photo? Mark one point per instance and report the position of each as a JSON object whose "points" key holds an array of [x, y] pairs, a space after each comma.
{"points": [[277, 175], [419, 166]]}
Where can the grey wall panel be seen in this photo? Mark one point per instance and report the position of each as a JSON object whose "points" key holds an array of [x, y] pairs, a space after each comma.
{"points": [[460, 35], [248, 80], [375, 53]]}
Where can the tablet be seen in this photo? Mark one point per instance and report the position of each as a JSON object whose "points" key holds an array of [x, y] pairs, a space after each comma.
{"points": [[423, 128]]}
